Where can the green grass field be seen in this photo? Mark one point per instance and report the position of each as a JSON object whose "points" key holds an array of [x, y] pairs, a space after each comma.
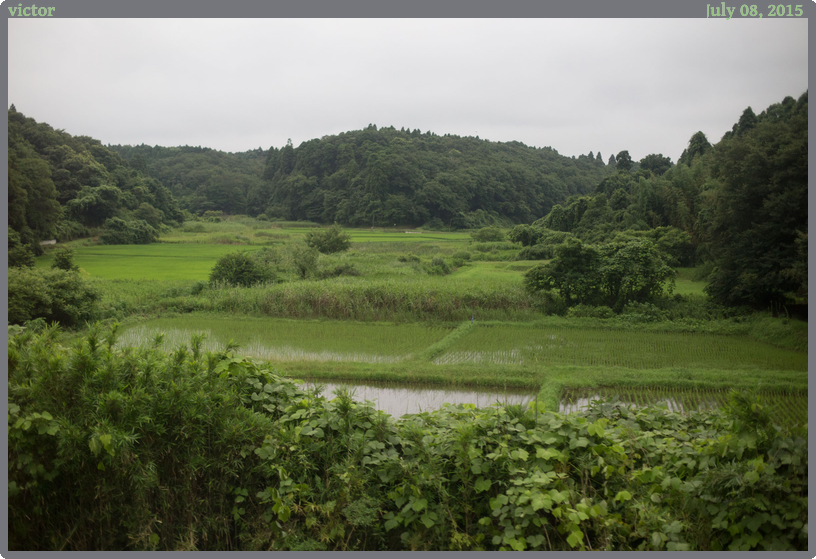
{"points": [[159, 261], [396, 323]]}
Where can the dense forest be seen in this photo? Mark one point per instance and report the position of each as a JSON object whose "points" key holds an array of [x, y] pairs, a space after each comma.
{"points": [[739, 207], [375, 177], [62, 185], [204, 179]]}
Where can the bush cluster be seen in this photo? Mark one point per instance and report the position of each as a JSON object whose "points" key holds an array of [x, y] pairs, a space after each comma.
{"points": [[488, 235], [121, 232], [329, 241], [139, 449], [54, 295], [240, 269], [439, 267]]}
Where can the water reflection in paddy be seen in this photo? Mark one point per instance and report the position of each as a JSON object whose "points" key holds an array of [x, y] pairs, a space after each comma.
{"points": [[398, 400]]}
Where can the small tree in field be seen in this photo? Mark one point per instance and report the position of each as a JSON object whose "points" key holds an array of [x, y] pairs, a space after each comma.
{"points": [[488, 235], [239, 268], [329, 241], [64, 260]]}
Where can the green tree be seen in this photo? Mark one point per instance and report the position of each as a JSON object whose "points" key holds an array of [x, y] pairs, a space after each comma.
{"points": [[613, 274], [623, 161], [64, 260], [121, 232], [698, 146], [93, 205], [329, 241], [239, 269], [19, 255], [488, 234], [760, 211], [304, 260], [527, 235], [573, 272], [634, 271], [656, 163], [53, 295]]}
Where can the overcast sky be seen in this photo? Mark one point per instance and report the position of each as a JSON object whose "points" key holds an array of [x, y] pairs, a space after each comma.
{"points": [[575, 85]]}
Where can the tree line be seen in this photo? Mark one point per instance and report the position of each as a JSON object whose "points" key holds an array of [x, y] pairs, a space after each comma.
{"points": [[376, 177], [61, 186], [738, 207]]}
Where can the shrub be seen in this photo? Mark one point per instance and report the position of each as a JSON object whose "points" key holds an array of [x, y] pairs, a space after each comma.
{"points": [[493, 247], [53, 295], [19, 255], [212, 216], [408, 258], [341, 270], [64, 260], [262, 217], [239, 268], [434, 224], [304, 260], [198, 287], [329, 241], [589, 311], [267, 256], [643, 312], [439, 267], [69, 230], [121, 232], [536, 252], [488, 235], [462, 255]]}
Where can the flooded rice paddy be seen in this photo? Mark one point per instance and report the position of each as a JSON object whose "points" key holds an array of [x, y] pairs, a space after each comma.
{"points": [[785, 408], [398, 400], [293, 340]]}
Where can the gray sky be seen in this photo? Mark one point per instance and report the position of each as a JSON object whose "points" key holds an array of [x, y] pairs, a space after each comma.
{"points": [[575, 85]]}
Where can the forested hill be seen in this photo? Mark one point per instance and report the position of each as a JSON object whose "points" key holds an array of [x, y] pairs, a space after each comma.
{"points": [[60, 185], [204, 179], [739, 206], [386, 176], [375, 176]]}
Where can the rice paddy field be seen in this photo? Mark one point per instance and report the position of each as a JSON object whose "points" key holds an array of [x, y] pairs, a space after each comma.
{"points": [[154, 262], [395, 323], [687, 371], [293, 340], [787, 408], [556, 345]]}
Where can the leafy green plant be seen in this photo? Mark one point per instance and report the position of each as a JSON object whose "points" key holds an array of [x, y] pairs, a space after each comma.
{"points": [[19, 255], [439, 267], [121, 232], [304, 260], [329, 241], [64, 260], [54, 295], [239, 268], [211, 451], [488, 235]]}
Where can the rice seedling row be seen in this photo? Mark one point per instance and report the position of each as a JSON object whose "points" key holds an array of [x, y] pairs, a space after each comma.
{"points": [[786, 408], [287, 340], [550, 345]]}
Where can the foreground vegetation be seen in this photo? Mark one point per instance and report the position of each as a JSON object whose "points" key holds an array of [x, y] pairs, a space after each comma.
{"points": [[140, 449], [652, 287]]}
